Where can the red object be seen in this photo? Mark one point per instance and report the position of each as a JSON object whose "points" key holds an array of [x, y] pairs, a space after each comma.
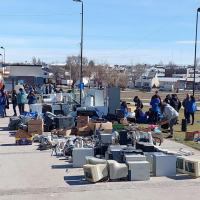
{"points": [[151, 127]]}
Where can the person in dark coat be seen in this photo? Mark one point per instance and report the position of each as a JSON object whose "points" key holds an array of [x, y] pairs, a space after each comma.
{"points": [[7, 102], [167, 99], [156, 95], [175, 103], [14, 101], [138, 102], [185, 105]]}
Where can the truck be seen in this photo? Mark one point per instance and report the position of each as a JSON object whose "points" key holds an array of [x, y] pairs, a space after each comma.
{"points": [[166, 88]]}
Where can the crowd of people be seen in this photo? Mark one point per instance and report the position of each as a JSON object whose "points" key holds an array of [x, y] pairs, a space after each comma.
{"points": [[19, 98], [164, 113]]}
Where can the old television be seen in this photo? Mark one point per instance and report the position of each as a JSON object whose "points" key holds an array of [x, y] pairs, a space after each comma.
{"points": [[94, 161], [192, 167], [94, 173], [180, 164]]}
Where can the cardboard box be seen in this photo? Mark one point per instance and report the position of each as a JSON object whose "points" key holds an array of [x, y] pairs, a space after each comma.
{"points": [[96, 125], [189, 135], [82, 121], [106, 126], [74, 131], [65, 132], [22, 134], [85, 128], [84, 133], [131, 108], [36, 122], [36, 129], [158, 135]]}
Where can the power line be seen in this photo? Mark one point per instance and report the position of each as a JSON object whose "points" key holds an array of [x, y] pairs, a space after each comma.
{"points": [[155, 30], [37, 15]]}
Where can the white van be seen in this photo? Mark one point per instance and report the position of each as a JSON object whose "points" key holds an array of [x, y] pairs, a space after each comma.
{"points": [[166, 88]]}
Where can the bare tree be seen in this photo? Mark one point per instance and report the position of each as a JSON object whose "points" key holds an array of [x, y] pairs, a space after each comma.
{"points": [[39, 62], [57, 71], [171, 65], [137, 72], [123, 81], [198, 63], [100, 73], [74, 62], [34, 61], [89, 70]]}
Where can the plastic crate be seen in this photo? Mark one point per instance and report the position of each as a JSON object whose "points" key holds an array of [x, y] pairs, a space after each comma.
{"points": [[24, 141], [118, 127]]}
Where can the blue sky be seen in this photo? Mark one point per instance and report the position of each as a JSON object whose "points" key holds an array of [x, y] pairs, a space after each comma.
{"points": [[109, 27]]}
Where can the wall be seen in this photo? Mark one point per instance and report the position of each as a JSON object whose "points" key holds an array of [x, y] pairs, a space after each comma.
{"points": [[26, 70]]}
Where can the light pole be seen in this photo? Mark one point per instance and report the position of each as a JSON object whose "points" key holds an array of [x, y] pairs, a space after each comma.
{"points": [[195, 53], [1, 57], [4, 54], [4, 57], [81, 70]]}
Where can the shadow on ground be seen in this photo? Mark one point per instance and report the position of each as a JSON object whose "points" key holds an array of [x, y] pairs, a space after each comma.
{"points": [[62, 166], [8, 145], [181, 177], [76, 180], [4, 129]]}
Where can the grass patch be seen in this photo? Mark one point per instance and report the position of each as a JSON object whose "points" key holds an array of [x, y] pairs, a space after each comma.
{"points": [[131, 100], [177, 128]]}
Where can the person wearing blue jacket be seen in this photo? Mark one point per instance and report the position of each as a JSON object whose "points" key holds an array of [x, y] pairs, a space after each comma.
{"points": [[21, 100], [31, 98], [154, 109], [191, 108], [2, 104], [124, 108]]}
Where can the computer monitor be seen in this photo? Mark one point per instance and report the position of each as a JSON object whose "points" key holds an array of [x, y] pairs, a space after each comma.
{"points": [[94, 161], [94, 173], [180, 164], [192, 167]]}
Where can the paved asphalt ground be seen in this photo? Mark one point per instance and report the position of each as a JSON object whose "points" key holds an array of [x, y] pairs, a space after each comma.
{"points": [[26, 173]]}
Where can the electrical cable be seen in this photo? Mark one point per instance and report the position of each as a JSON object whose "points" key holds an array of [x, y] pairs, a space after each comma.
{"points": [[37, 15], [155, 30]]}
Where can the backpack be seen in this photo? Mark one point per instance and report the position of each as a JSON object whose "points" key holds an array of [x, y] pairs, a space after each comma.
{"points": [[14, 98]]}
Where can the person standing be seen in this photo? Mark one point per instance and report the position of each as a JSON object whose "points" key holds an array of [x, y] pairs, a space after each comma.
{"points": [[170, 116], [175, 103], [21, 100], [155, 109], [2, 87], [2, 104], [50, 88], [167, 99], [185, 105], [191, 108], [156, 94], [31, 99], [47, 89], [7, 102], [138, 102], [14, 102]]}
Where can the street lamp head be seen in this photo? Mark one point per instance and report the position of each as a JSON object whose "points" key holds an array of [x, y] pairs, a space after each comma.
{"points": [[77, 0], [198, 10], [2, 48]]}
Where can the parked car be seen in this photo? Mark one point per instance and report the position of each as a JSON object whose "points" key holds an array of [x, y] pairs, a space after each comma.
{"points": [[147, 89], [166, 88]]}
